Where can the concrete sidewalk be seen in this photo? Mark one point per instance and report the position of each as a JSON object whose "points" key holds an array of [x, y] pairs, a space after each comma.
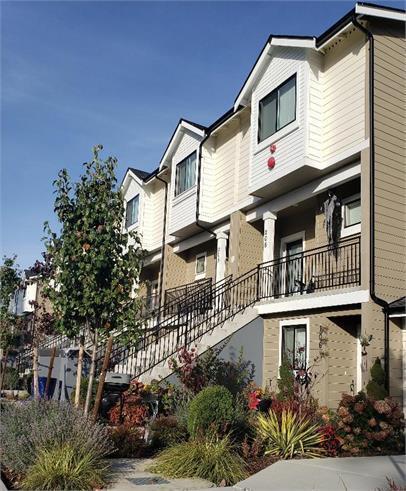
{"points": [[340, 474], [130, 474]]}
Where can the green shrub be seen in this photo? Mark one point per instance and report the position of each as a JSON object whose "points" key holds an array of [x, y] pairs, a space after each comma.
{"points": [[29, 427], [65, 468], [286, 382], [289, 436], [376, 386], [212, 458], [212, 408]]}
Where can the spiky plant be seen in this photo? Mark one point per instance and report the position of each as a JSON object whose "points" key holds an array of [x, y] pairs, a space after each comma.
{"points": [[289, 436]]}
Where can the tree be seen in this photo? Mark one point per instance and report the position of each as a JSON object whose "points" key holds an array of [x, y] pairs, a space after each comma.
{"points": [[10, 280], [96, 264]]}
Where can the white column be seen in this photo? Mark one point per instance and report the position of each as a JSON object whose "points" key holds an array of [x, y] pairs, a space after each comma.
{"points": [[269, 236], [221, 255]]}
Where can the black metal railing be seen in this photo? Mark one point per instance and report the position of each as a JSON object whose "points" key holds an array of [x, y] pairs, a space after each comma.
{"points": [[187, 316], [327, 267], [319, 269]]}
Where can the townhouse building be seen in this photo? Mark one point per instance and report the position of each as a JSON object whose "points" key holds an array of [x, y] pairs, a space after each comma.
{"points": [[283, 222]]}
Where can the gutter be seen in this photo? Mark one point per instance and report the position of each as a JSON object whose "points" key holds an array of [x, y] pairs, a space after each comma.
{"points": [[379, 301]]}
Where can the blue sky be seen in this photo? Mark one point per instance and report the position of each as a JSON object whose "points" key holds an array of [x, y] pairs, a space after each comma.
{"points": [[74, 74]]}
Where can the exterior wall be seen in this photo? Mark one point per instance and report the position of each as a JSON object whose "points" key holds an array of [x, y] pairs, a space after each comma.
{"points": [[284, 63], [343, 90], [180, 267], [390, 158], [154, 215], [182, 210], [337, 371], [225, 167], [245, 244]]}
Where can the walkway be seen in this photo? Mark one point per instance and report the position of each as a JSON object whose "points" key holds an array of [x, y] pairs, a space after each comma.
{"points": [[131, 474]]}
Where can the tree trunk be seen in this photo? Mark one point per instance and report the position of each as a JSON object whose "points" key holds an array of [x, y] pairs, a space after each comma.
{"points": [[91, 375], [3, 370], [50, 368], [79, 372], [35, 370], [102, 378]]}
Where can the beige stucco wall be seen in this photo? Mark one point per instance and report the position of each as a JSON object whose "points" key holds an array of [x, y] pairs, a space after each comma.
{"points": [[337, 372]]}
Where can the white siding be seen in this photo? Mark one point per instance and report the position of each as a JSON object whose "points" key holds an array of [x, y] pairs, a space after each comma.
{"points": [[284, 62], [343, 87], [156, 218], [315, 120], [183, 207]]}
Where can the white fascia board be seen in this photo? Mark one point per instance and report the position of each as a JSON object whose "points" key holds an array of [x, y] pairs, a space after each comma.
{"points": [[130, 175], [313, 301], [337, 34], [392, 316], [301, 194], [381, 12], [152, 258], [253, 76], [183, 125], [198, 239], [294, 43]]}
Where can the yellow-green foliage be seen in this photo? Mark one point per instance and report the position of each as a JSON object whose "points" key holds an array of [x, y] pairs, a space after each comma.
{"points": [[65, 468], [212, 458], [290, 436]]}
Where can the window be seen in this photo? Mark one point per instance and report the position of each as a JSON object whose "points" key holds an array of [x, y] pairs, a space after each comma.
{"points": [[294, 345], [277, 109], [185, 174], [201, 265], [131, 215], [352, 212]]}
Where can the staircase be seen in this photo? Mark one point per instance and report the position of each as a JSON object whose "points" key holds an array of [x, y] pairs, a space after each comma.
{"points": [[202, 317]]}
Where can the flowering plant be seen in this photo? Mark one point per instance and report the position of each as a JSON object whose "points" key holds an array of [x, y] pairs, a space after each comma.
{"points": [[365, 425]]}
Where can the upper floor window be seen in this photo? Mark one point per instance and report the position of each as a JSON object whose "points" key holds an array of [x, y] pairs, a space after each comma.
{"points": [[352, 211], [351, 215], [131, 215], [200, 265], [277, 109], [185, 174]]}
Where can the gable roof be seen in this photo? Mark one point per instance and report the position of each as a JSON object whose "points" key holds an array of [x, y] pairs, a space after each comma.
{"points": [[182, 126], [360, 9], [140, 173]]}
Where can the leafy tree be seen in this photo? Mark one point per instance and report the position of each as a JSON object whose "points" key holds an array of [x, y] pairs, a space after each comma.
{"points": [[10, 279], [95, 263]]}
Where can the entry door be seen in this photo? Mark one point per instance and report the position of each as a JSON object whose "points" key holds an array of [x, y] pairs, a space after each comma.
{"points": [[294, 266]]}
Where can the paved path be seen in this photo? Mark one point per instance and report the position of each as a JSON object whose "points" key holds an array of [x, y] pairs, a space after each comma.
{"points": [[341, 474], [130, 474]]}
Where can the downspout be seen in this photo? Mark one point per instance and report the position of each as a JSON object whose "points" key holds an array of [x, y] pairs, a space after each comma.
{"points": [[379, 301], [161, 268]]}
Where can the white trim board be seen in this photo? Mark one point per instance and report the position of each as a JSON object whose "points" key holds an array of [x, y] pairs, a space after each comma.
{"points": [[294, 322], [312, 301]]}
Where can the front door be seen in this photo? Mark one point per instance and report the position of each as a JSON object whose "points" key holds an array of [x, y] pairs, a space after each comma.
{"points": [[294, 266]]}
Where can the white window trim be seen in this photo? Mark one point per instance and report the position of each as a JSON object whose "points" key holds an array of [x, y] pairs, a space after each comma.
{"points": [[185, 195], [291, 238], [193, 187], [199, 276], [293, 126], [352, 229], [294, 322], [136, 223]]}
